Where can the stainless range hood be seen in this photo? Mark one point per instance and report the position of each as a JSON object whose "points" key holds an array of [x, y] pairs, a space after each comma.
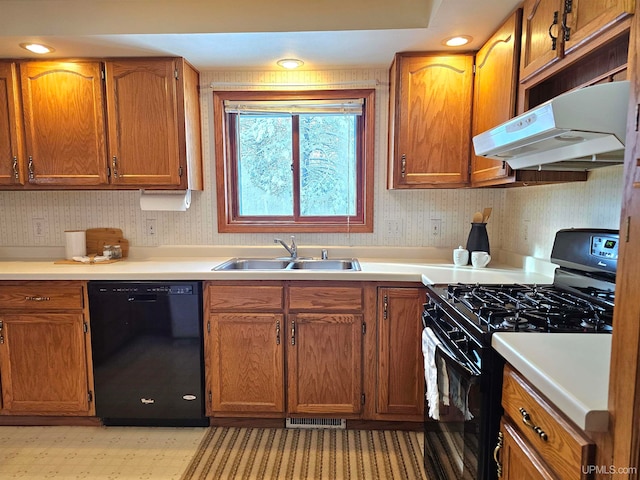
{"points": [[578, 130]]}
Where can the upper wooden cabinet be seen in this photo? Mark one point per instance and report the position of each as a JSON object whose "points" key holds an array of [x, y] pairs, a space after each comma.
{"points": [[11, 153], [149, 105], [94, 124], [430, 120], [64, 123], [553, 29], [494, 95]]}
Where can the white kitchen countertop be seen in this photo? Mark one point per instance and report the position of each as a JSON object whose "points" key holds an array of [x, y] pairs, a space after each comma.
{"points": [[570, 369]]}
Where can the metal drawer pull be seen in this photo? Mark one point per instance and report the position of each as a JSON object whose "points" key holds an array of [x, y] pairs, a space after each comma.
{"points": [[16, 175], [278, 333], [553, 39], [526, 419], [496, 454], [37, 299]]}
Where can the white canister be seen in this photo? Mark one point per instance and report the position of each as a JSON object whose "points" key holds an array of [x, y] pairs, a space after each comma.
{"points": [[460, 256], [75, 244]]}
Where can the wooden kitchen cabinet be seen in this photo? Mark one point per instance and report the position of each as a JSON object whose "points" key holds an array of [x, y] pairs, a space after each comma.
{"points": [[251, 331], [11, 152], [64, 123], [430, 120], [45, 351], [400, 368], [536, 441], [494, 95], [324, 350], [572, 24], [154, 123]]}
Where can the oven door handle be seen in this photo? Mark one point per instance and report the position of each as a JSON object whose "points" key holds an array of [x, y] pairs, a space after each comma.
{"points": [[467, 369]]}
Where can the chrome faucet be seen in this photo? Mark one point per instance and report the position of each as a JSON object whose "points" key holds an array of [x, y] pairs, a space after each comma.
{"points": [[293, 249]]}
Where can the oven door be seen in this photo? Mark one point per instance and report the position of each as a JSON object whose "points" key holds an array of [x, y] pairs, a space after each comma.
{"points": [[452, 443]]}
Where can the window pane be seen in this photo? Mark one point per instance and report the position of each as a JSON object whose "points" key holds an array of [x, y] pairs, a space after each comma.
{"points": [[327, 165], [265, 182]]}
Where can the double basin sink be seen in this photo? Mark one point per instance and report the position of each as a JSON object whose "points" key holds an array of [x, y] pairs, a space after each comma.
{"points": [[350, 264]]}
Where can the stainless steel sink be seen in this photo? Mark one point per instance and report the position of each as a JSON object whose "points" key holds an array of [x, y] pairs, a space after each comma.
{"points": [[351, 264], [330, 264], [253, 264]]}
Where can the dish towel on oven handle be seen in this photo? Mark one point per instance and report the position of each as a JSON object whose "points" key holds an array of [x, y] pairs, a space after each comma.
{"points": [[459, 387], [435, 374]]}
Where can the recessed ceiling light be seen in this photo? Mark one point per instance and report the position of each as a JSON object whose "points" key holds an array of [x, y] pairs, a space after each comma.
{"points": [[457, 41], [290, 63], [37, 48]]}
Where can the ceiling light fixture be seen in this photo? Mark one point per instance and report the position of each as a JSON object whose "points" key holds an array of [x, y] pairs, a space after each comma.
{"points": [[290, 63], [457, 41], [37, 48]]}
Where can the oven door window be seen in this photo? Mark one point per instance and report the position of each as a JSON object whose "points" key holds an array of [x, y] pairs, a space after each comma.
{"points": [[451, 444]]}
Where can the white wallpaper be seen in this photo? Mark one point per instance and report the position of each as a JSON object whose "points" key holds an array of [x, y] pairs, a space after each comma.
{"points": [[543, 209]]}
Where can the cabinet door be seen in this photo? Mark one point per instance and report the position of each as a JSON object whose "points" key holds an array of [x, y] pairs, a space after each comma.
{"points": [[247, 363], [495, 92], [400, 388], [43, 364], [541, 23], [324, 361], [143, 132], [586, 19], [431, 126], [64, 123], [11, 172], [518, 460]]}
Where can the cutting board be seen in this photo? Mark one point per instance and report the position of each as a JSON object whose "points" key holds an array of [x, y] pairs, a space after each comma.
{"points": [[97, 238]]}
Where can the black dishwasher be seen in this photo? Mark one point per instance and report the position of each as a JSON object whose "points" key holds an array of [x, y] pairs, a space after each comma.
{"points": [[146, 341]]}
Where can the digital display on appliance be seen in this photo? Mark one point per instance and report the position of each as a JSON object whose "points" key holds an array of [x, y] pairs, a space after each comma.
{"points": [[609, 244]]}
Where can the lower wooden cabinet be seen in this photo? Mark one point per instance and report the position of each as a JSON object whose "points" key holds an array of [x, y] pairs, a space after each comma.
{"points": [[536, 441], [45, 358], [400, 370]]}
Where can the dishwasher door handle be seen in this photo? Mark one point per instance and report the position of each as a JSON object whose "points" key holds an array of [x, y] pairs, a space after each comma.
{"points": [[143, 298]]}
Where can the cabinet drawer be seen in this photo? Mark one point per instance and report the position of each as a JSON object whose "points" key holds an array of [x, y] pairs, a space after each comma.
{"points": [[245, 298], [325, 298], [566, 450], [41, 296]]}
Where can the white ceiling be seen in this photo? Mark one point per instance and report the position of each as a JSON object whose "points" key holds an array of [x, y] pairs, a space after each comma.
{"points": [[248, 34]]}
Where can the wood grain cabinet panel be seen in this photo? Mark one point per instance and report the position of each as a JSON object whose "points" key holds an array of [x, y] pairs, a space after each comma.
{"points": [[516, 457], [64, 123], [11, 152], [541, 24], [45, 350], [563, 448], [400, 372], [143, 122], [430, 120]]}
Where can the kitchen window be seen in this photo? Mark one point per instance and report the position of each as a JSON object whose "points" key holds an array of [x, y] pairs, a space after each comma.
{"points": [[294, 161]]}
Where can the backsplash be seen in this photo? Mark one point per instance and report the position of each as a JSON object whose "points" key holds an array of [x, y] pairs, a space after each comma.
{"points": [[402, 218]]}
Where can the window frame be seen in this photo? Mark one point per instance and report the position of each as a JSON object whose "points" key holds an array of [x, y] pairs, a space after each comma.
{"points": [[226, 173]]}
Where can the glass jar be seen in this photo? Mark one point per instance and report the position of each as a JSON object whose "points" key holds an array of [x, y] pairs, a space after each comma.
{"points": [[106, 251], [116, 252]]}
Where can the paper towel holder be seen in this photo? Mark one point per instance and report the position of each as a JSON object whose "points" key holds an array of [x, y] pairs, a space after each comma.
{"points": [[165, 200]]}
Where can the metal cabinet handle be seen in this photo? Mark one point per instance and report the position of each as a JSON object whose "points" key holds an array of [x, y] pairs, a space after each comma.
{"points": [[1, 334], [553, 39], [37, 299], [293, 333], [278, 332], [385, 308], [30, 167], [526, 419], [15, 167], [114, 166], [496, 454], [403, 165]]}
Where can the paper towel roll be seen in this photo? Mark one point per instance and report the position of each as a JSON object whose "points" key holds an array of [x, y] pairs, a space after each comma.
{"points": [[171, 201], [75, 244]]}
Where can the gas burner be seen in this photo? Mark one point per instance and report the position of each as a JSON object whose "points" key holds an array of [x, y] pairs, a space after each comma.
{"points": [[514, 322]]}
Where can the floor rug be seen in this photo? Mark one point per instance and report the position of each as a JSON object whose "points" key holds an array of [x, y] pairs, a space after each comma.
{"points": [[299, 454]]}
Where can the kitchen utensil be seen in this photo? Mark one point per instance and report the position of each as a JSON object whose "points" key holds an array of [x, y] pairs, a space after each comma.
{"points": [[97, 238], [480, 259], [477, 217], [460, 256], [486, 213]]}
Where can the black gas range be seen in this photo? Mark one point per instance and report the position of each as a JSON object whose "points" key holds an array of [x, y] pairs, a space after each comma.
{"points": [[463, 317]]}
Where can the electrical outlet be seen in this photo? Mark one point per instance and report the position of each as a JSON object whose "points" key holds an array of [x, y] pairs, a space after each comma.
{"points": [[152, 227], [525, 230], [436, 227], [394, 228], [39, 227]]}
